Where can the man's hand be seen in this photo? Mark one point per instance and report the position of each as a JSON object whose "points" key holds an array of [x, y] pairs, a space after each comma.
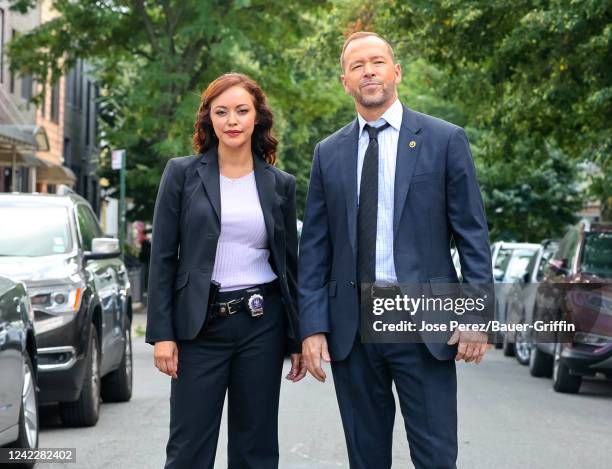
{"points": [[314, 348], [165, 356], [298, 368], [472, 345]]}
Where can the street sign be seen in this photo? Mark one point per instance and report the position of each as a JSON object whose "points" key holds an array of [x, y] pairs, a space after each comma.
{"points": [[117, 159]]}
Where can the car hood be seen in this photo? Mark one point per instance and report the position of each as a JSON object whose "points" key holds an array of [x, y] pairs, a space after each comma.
{"points": [[44, 270]]}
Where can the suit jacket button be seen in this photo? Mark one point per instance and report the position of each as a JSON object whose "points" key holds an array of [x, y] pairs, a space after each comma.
{"points": [[352, 284]]}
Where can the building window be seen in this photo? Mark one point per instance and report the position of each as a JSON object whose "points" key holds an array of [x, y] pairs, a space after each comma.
{"points": [[26, 87], [1, 45], [55, 92], [67, 151], [94, 116], [24, 174], [75, 85], [94, 197], [88, 114], [68, 87], [2, 177], [85, 193], [78, 186], [43, 105], [71, 87], [7, 180], [79, 79], [12, 74]]}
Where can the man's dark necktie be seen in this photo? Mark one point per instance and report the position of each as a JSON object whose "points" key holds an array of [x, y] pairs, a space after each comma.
{"points": [[368, 209]]}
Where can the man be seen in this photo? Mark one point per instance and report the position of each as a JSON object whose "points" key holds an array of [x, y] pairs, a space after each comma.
{"points": [[387, 194]]}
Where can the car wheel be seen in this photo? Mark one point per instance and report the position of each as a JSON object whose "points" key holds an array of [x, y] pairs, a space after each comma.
{"points": [[522, 347], [508, 347], [84, 412], [563, 379], [540, 363], [117, 385], [28, 414]]}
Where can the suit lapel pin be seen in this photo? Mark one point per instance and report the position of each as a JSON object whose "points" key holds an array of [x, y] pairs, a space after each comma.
{"points": [[412, 144]]}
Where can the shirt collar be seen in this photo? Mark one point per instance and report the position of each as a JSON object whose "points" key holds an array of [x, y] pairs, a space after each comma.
{"points": [[393, 115]]}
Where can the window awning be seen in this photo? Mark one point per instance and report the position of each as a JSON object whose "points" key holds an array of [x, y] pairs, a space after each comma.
{"points": [[50, 173], [23, 137]]}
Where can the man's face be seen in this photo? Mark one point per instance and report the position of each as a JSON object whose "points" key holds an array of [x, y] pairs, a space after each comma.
{"points": [[370, 76]]}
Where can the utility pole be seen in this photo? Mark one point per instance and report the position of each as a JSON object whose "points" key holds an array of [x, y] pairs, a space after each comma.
{"points": [[119, 163]]}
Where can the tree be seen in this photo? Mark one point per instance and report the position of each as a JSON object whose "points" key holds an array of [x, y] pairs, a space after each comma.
{"points": [[534, 78], [152, 60], [312, 103]]}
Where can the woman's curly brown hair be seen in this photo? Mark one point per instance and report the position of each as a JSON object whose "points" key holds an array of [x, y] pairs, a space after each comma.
{"points": [[263, 142]]}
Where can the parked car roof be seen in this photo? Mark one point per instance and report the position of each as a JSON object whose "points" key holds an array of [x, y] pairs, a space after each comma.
{"points": [[506, 245], [51, 199]]}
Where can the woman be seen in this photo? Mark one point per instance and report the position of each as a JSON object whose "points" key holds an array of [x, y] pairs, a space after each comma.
{"points": [[222, 284]]}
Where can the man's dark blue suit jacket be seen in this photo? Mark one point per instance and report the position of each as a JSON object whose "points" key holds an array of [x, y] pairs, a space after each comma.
{"points": [[436, 198]]}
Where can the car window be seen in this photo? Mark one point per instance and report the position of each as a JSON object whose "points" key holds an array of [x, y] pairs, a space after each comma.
{"points": [[597, 254], [88, 226], [35, 230], [518, 264], [532, 263], [567, 247], [501, 263], [543, 265], [502, 259]]}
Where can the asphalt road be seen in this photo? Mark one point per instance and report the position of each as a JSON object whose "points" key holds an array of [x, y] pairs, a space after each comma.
{"points": [[507, 419]]}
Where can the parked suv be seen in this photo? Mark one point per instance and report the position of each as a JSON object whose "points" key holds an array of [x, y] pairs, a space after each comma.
{"points": [[577, 287], [509, 263], [521, 298], [80, 292], [18, 398]]}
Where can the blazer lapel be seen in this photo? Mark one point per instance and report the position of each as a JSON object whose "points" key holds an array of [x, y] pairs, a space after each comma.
{"points": [[209, 174], [266, 189], [408, 148], [348, 149]]}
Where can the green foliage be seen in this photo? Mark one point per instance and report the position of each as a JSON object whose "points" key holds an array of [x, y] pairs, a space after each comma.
{"points": [[530, 200], [152, 61], [528, 79], [534, 78]]}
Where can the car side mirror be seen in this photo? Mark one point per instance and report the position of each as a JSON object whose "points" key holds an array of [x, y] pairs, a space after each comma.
{"points": [[103, 248]]}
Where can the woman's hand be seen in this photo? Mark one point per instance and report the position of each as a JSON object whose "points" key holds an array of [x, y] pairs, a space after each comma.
{"points": [[298, 368], [165, 357]]}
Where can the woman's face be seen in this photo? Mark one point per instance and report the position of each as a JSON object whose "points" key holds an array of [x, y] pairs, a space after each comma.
{"points": [[233, 117]]}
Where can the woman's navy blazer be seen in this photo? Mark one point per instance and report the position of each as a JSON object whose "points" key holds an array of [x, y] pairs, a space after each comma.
{"points": [[186, 228]]}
